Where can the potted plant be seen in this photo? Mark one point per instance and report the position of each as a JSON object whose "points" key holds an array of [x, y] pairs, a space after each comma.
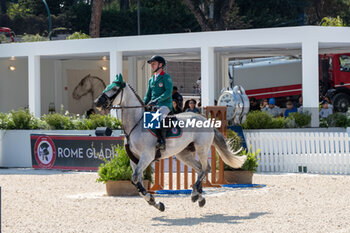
{"points": [[116, 174], [243, 175]]}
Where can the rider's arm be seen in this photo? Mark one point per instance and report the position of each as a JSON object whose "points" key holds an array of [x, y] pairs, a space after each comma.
{"points": [[148, 95], [168, 85]]}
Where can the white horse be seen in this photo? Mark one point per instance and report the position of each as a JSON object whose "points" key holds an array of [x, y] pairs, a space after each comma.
{"points": [[143, 145]]}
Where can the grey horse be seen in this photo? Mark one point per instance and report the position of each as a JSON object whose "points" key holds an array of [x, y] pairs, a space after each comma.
{"points": [[143, 145]]}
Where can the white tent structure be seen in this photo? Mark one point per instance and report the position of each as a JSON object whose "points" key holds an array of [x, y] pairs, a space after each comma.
{"points": [[212, 48]]}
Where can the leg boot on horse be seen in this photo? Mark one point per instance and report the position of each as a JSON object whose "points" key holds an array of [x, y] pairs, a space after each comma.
{"points": [[137, 182]]}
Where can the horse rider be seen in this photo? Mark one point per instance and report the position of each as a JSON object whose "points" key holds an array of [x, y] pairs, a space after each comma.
{"points": [[160, 87]]}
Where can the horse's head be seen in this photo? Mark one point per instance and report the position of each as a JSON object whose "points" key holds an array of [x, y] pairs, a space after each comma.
{"points": [[82, 88], [112, 95]]}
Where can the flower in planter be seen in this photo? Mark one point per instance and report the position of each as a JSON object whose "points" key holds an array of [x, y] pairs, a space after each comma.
{"points": [[251, 164]]}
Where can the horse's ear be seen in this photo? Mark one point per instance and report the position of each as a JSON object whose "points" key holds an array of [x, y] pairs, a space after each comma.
{"points": [[118, 78], [121, 80]]}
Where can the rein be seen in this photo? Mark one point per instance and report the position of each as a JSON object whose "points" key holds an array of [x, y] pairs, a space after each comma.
{"points": [[126, 107]]}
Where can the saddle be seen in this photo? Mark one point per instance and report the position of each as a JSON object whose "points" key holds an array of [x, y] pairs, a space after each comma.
{"points": [[171, 132]]}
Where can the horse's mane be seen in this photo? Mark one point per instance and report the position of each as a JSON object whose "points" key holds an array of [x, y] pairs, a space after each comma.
{"points": [[137, 96], [95, 77]]}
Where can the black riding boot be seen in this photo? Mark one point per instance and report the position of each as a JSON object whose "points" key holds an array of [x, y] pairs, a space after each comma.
{"points": [[161, 134]]}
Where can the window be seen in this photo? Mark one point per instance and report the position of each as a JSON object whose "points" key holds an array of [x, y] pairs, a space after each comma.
{"points": [[344, 63]]}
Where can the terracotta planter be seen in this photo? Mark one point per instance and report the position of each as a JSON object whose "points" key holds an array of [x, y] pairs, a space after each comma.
{"points": [[123, 188], [238, 177]]}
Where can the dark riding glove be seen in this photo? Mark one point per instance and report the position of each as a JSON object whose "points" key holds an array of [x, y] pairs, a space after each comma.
{"points": [[154, 102]]}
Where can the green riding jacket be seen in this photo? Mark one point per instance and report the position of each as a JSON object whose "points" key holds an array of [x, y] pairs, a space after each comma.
{"points": [[160, 90]]}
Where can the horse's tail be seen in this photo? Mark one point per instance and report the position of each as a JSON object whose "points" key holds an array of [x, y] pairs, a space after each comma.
{"points": [[229, 157]]}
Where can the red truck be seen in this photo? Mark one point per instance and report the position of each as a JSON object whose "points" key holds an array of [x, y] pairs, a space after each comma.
{"points": [[8, 32], [281, 77]]}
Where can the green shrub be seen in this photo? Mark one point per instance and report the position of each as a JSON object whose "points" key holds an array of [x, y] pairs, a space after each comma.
{"points": [[33, 38], [301, 119], [261, 120], [97, 120], [80, 124], [290, 123], [58, 121], [119, 168], [3, 120], [251, 164], [337, 119], [20, 119], [23, 119], [340, 119], [257, 120], [277, 123], [78, 35], [4, 39], [323, 123]]}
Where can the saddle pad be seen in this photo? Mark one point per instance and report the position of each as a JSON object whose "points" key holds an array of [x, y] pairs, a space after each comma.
{"points": [[171, 133]]}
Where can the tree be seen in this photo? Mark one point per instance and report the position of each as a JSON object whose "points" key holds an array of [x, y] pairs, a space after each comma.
{"points": [[273, 13], [96, 11], [318, 9], [3, 6], [216, 15], [124, 4]]}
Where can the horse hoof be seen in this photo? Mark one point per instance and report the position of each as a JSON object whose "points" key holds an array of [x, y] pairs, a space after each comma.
{"points": [[161, 206], [195, 198], [201, 202]]}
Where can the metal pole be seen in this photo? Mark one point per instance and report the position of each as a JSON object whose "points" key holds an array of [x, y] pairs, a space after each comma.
{"points": [[49, 15], [138, 18]]}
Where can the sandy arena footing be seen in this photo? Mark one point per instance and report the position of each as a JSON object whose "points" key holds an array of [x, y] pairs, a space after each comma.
{"points": [[55, 201]]}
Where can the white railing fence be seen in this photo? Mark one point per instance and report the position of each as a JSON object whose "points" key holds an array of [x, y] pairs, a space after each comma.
{"points": [[311, 152]]}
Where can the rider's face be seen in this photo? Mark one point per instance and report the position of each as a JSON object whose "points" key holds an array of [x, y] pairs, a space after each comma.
{"points": [[154, 65]]}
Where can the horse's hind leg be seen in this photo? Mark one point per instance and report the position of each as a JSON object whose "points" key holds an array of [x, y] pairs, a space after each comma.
{"points": [[187, 157], [138, 169], [202, 153]]}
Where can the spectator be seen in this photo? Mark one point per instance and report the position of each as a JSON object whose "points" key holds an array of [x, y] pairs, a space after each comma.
{"points": [[253, 104], [264, 104], [199, 85], [187, 105], [300, 102], [329, 103], [272, 109], [192, 107], [176, 107], [325, 110], [177, 96], [199, 105], [299, 105], [290, 108]]}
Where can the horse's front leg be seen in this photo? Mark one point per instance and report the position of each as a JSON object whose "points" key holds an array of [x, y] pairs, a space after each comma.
{"points": [[145, 160]]}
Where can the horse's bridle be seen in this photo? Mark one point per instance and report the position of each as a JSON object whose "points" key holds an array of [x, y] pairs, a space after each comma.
{"points": [[110, 105]]}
